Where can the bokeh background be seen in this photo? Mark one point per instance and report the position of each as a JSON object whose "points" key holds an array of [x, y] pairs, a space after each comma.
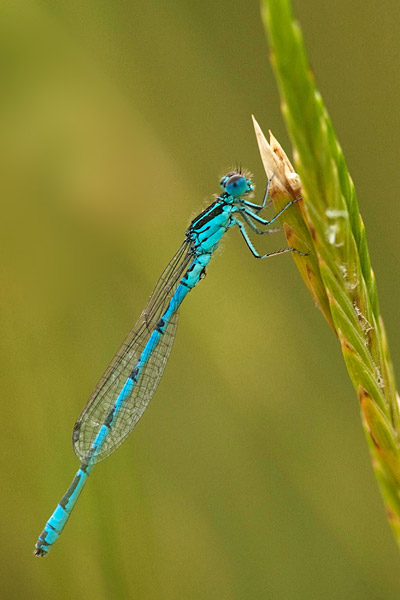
{"points": [[249, 476]]}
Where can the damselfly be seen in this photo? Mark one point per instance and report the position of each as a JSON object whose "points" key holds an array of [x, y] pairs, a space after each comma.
{"points": [[133, 375]]}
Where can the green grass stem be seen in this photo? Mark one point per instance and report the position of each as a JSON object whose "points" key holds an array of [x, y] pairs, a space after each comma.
{"points": [[327, 223]]}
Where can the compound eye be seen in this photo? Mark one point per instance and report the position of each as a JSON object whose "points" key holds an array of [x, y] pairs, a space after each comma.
{"points": [[236, 185], [225, 178]]}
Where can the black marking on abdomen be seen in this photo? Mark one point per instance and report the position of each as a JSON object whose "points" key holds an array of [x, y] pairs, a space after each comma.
{"points": [[109, 417], [86, 461], [133, 373], [160, 326], [42, 541], [186, 276], [67, 496]]}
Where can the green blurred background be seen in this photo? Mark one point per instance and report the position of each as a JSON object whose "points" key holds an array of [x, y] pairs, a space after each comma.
{"points": [[249, 476]]}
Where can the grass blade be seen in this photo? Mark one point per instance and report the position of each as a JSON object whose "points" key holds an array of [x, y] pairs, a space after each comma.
{"points": [[328, 223]]}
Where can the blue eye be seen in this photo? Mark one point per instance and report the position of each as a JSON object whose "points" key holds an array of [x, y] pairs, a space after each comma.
{"points": [[225, 178], [236, 185]]}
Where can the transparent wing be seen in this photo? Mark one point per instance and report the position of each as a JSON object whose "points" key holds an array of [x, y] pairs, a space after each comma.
{"points": [[104, 396]]}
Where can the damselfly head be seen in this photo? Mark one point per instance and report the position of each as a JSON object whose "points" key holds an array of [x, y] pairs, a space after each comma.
{"points": [[236, 184]]}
